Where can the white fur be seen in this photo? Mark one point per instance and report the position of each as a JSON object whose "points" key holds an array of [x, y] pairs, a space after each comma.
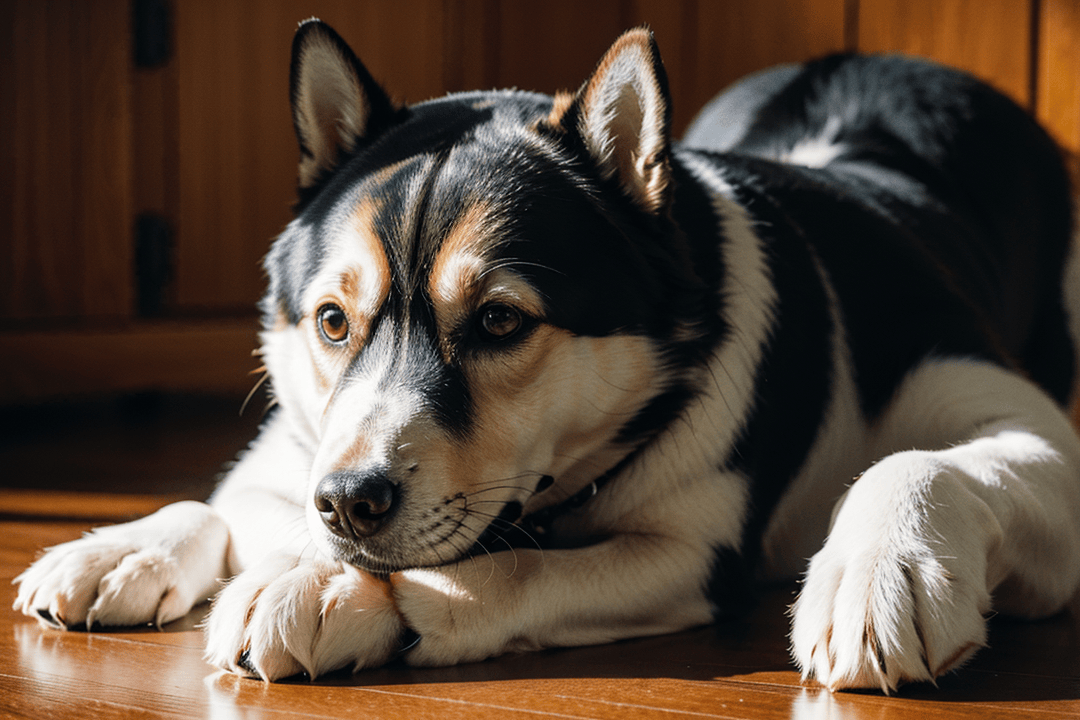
{"points": [[818, 151], [288, 615], [925, 537], [153, 570], [750, 297]]}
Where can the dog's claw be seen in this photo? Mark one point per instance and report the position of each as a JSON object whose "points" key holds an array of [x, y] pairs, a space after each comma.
{"points": [[310, 617]]}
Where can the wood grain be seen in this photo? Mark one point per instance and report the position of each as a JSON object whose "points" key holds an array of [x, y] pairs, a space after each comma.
{"points": [[1057, 89], [237, 152], [208, 356], [737, 38], [989, 38], [65, 138], [89, 141]]}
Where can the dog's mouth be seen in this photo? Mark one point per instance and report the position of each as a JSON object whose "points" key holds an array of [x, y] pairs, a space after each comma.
{"points": [[504, 531], [510, 529]]}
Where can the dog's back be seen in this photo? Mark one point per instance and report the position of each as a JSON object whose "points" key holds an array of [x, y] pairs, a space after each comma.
{"points": [[956, 169]]}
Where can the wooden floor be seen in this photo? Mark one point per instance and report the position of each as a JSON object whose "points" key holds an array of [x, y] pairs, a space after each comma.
{"points": [[739, 671]]}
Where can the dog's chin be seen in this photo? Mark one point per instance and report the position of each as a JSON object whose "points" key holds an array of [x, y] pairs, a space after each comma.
{"points": [[380, 565]]}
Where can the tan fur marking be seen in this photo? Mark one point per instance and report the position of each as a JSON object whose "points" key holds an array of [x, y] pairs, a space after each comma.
{"points": [[455, 279], [350, 285], [354, 456], [562, 103], [359, 284], [281, 320], [364, 224], [452, 279], [530, 405]]}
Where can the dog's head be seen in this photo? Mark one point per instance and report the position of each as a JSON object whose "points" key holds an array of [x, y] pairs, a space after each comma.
{"points": [[478, 308]]}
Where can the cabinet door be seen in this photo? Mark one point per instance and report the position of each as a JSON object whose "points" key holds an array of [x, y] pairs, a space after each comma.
{"points": [[237, 155], [1057, 82], [65, 139]]}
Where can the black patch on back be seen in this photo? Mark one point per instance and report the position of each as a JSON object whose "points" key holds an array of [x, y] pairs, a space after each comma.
{"points": [[978, 186]]}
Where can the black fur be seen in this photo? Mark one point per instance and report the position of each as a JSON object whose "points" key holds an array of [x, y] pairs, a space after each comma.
{"points": [[940, 171]]}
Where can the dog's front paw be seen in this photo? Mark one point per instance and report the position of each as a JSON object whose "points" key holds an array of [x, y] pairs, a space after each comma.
{"points": [[898, 593], [132, 574], [286, 616]]}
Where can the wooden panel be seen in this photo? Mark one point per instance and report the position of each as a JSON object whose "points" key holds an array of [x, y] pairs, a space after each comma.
{"points": [[1057, 90], [205, 356], [237, 154], [734, 38], [65, 198], [471, 37], [990, 38], [533, 47], [542, 49], [672, 22]]}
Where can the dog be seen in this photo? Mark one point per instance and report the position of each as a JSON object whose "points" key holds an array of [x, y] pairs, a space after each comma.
{"points": [[543, 377]]}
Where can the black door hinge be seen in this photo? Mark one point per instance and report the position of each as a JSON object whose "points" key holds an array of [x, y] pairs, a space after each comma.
{"points": [[152, 28], [153, 264]]}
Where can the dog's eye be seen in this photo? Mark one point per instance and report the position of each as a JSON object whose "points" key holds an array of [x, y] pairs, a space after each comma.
{"points": [[333, 324], [498, 321]]}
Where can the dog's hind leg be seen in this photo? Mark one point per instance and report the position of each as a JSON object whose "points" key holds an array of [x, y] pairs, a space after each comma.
{"points": [[928, 541]]}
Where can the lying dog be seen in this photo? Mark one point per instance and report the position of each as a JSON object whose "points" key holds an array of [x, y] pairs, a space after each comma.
{"points": [[546, 379]]}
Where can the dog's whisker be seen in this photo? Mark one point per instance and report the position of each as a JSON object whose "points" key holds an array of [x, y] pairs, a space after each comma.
{"points": [[263, 378]]}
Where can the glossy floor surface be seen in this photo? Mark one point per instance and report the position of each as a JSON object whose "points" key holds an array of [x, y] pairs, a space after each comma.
{"points": [[86, 471]]}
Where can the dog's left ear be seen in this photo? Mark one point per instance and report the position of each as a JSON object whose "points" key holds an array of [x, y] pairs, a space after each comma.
{"points": [[622, 116], [335, 101]]}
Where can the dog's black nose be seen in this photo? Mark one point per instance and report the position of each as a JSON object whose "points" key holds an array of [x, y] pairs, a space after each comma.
{"points": [[355, 505]]}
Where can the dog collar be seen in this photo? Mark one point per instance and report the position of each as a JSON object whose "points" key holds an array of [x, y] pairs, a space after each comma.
{"points": [[539, 523]]}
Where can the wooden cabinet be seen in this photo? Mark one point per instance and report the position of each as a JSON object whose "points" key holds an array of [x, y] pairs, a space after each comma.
{"points": [[202, 145]]}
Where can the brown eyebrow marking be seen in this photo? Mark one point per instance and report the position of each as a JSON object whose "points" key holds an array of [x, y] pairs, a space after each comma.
{"points": [[459, 262], [352, 282]]}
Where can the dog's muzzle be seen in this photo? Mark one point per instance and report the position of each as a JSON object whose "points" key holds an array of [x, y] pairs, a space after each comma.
{"points": [[356, 505]]}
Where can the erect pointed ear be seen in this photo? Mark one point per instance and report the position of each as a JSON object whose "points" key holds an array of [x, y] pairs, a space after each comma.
{"points": [[622, 116], [335, 101]]}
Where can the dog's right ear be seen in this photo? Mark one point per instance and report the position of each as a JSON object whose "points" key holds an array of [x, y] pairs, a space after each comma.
{"points": [[335, 101], [621, 116]]}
